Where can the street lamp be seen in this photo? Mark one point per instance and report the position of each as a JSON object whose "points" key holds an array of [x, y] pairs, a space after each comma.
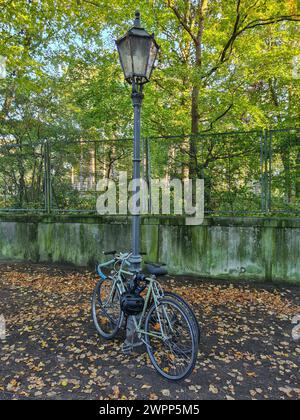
{"points": [[137, 51]]}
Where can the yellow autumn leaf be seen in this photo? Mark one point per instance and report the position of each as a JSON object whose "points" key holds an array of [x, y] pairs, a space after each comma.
{"points": [[213, 389]]}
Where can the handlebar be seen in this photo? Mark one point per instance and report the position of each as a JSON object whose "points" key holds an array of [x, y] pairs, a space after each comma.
{"points": [[122, 257]]}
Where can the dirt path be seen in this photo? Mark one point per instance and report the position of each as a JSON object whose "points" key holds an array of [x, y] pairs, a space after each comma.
{"points": [[52, 350]]}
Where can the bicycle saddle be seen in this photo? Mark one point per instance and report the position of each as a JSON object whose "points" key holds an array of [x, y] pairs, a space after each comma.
{"points": [[156, 269]]}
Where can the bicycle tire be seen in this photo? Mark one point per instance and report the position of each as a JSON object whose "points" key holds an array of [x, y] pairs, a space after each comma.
{"points": [[190, 368], [188, 308], [96, 300]]}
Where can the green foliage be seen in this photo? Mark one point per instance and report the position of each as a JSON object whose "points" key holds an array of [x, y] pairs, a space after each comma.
{"points": [[224, 65]]}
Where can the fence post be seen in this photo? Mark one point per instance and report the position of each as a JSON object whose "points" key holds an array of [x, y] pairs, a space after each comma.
{"points": [[266, 171], [270, 160], [262, 175], [263, 171], [48, 194]]}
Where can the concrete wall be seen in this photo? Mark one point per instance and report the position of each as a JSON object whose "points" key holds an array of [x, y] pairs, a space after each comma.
{"points": [[229, 248]]}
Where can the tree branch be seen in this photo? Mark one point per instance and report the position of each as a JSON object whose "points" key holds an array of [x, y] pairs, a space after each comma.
{"points": [[227, 50], [182, 21], [270, 21], [230, 43], [88, 2], [218, 118]]}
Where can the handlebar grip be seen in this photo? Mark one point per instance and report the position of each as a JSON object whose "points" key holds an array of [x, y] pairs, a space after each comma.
{"points": [[109, 252], [100, 273], [141, 253]]}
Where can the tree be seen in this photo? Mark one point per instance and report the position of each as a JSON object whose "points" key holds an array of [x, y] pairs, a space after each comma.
{"points": [[224, 65]]}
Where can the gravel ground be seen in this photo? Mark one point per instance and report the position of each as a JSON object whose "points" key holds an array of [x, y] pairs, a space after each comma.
{"points": [[52, 351]]}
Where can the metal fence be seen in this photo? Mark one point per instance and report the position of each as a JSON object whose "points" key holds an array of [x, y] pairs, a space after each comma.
{"points": [[245, 173]]}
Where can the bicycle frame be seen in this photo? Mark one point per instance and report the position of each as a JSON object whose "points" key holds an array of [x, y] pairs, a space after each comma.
{"points": [[158, 325], [154, 290]]}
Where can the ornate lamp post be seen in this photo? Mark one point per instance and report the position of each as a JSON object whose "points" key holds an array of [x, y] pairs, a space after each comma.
{"points": [[137, 51]]}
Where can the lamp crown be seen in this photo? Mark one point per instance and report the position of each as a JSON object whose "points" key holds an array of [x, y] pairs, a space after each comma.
{"points": [[137, 20]]}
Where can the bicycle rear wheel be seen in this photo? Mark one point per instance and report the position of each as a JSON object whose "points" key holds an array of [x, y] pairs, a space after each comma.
{"points": [[171, 341], [106, 310], [189, 310]]}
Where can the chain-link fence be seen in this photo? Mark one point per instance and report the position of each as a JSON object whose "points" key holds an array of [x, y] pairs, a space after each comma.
{"points": [[76, 168], [284, 171], [245, 173], [229, 163], [22, 177]]}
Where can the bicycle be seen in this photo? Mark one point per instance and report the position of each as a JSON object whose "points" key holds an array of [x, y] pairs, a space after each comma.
{"points": [[163, 321]]}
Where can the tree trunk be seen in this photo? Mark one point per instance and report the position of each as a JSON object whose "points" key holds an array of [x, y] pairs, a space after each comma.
{"points": [[200, 13], [195, 114], [195, 131], [92, 174]]}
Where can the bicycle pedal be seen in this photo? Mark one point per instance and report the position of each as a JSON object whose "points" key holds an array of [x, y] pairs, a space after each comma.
{"points": [[128, 348]]}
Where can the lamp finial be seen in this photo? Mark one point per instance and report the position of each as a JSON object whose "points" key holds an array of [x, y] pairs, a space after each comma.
{"points": [[137, 21]]}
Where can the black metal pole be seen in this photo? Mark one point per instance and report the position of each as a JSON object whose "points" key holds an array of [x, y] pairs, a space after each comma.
{"points": [[137, 98]]}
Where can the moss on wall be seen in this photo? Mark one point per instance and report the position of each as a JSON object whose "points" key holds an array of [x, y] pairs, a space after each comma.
{"points": [[230, 248]]}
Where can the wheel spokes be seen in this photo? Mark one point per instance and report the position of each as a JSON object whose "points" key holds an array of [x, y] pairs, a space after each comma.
{"points": [[174, 352]]}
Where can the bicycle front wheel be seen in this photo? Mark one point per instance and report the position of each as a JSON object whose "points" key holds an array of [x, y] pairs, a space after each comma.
{"points": [[171, 341], [106, 310]]}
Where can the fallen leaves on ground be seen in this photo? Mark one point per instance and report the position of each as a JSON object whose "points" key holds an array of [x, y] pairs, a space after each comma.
{"points": [[53, 351]]}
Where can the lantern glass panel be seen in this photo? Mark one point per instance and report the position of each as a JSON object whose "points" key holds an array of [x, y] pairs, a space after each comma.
{"points": [[140, 51], [152, 58], [125, 56]]}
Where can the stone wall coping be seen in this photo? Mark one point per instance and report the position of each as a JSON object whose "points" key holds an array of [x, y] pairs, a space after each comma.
{"points": [[272, 222]]}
